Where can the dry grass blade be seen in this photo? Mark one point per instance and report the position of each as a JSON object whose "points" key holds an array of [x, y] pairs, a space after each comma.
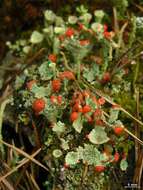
{"points": [[37, 138], [99, 93], [20, 165], [137, 129], [29, 62], [116, 25], [34, 183], [126, 130], [131, 116], [138, 170], [66, 62], [5, 94], [2, 108], [139, 7], [140, 173], [7, 185], [24, 154], [131, 134], [109, 100]]}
